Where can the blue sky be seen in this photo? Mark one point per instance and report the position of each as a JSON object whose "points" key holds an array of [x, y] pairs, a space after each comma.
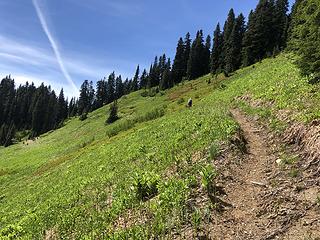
{"points": [[63, 42]]}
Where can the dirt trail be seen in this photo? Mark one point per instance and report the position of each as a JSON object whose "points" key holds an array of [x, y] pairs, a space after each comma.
{"points": [[264, 202]]}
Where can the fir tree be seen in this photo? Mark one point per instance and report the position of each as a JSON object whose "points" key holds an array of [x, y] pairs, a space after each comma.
{"points": [[280, 23], [62, 111], [113, 113], [101, 93], [206, 56], [119, 87], [143, 79], [227, 30], [216, 53], [233, 54], [305, 39], [135, 81], [195, 65], [111, 85], [84, 99], [178, 68]]}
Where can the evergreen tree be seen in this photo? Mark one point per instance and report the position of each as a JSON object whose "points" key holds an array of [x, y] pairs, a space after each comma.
{"points": [[280, 23], [216, 53], [119, 87], [206, 56], [233, 54], [84, 99], [259, 39], [166, 80], [135, 81], [248, 56], [143, 79], [111, 88], [101, 93], [305, 38], [154, 74], [62, 111], [195, 65], [178, 68], [187, 49], [113, 113], [227, 30]]}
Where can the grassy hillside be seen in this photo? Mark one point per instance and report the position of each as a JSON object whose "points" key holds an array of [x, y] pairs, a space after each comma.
{"points": [[81, 181]]}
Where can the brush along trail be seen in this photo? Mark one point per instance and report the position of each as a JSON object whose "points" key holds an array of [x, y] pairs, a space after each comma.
{"points": [[266, 202]]}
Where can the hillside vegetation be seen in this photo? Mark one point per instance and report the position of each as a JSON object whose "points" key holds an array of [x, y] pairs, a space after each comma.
{"points": [[134, 178]]}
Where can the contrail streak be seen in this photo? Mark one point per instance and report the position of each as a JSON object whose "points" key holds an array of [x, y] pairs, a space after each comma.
{"points": [[54, 45]]}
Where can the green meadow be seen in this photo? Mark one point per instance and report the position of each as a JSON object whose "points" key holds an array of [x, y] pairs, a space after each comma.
{"points": [[82, 180]]}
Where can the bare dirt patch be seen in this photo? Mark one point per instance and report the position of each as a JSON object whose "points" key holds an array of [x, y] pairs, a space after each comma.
{"points": [[262, 200]]}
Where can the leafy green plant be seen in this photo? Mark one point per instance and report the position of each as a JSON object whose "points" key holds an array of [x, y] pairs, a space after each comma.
{"points": [[214, 151], [145, 185], [180, 101], [208, 174], [11, 232], [152, 114], [196, 219]]}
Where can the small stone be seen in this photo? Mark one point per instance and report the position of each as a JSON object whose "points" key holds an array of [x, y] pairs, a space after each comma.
{"points": [[279, 161]]}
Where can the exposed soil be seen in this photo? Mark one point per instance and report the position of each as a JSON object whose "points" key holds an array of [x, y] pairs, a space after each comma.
{"points": [[259, 196]]}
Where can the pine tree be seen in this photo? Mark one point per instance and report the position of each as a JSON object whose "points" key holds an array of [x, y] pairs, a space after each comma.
{"points": [[62, 111], [84, 99], [178, 68], [195, 65], [119, 87], [305, 39], [113, 113], [206, 56], [143, 79], [233, 54], [248, 56], [261, 40], [154, 73], [187, 49], [280, 23], [216, 53], [165, 81], [227, 30], [111, 85], [10, 135], [101, 93], [135, 81]]}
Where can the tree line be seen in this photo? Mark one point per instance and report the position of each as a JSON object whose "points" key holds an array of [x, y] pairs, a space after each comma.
{"points": [[236, 45], [27, 107]]}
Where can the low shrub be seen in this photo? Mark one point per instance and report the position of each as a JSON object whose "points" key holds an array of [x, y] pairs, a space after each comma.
{"points": [[180, 101], [208, 174], [83, 116], [145, 185]]}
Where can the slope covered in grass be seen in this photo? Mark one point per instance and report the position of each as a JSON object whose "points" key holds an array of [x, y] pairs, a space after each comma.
{"points": [[82, 180]]}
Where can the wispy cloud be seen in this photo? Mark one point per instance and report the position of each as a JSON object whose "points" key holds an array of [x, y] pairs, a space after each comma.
{"points": [[53, 44]]}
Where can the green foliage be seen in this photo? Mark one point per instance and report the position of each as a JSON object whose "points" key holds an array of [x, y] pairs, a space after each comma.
{"points": [[214, 151], [196, 219], [145, 185], [130, 123], [181, 101], [208, 174], [113, 113], [304, 37], [11, 232]]}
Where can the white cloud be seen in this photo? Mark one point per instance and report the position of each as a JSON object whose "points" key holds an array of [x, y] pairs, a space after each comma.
{"points": [[53, 44]]}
